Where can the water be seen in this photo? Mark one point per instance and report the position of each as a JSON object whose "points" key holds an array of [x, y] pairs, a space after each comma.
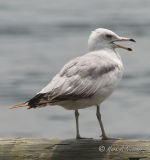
{"points": [[38, 37]]}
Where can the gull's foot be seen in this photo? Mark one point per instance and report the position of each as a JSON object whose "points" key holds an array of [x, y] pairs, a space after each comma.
{"points": [[83, 138], [110, 138]]}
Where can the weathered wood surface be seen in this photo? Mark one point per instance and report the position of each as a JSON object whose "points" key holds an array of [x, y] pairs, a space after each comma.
{"points": [[56, 149]]}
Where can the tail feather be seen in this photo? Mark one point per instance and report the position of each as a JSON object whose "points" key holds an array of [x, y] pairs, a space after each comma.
{"points": [[38, 101], [19, 105]]}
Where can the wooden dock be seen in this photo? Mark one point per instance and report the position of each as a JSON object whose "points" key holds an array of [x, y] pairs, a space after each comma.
{"points": [[71, 149]]}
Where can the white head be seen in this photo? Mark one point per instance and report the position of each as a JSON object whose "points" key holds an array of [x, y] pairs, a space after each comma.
{"points": [[103, 38]]}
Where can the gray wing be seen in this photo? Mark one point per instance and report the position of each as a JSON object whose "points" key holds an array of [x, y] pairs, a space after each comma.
{"points": [[80, 78]]}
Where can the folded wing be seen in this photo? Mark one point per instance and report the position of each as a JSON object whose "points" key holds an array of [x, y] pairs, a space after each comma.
{"points": [[80, 78]]}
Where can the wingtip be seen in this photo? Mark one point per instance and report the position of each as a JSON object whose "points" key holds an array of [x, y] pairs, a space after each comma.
{"points": [[11, 107], [18, 105]]}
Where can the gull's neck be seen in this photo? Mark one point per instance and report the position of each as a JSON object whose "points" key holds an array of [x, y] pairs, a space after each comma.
{"points": [[110, 51]]}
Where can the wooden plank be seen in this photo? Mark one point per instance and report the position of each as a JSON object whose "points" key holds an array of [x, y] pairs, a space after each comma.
{"points": [[56, 149]]}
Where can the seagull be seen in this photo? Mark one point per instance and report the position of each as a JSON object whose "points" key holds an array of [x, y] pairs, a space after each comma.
{"points": [[87, 80]]}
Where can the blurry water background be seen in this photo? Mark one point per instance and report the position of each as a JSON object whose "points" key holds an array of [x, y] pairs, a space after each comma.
{"points": [[37, 37]]}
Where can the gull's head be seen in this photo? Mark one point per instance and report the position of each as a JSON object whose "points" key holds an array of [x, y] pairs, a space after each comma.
{"points": [[103, 38]]}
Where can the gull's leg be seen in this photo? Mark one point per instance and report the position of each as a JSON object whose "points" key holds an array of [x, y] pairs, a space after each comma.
{"points": [[104, 137], [77, 126]]}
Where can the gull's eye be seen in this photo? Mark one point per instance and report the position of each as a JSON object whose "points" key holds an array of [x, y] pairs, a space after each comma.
{"points": [[109, 36]]}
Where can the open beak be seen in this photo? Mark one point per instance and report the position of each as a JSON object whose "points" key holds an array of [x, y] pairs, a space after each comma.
{"points": [[123, 39]]}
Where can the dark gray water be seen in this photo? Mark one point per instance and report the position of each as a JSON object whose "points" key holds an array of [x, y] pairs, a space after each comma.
{"points": [[38, 37]]}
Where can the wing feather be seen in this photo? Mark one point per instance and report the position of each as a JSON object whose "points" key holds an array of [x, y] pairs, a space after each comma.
{"points": [[80, 78]]}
